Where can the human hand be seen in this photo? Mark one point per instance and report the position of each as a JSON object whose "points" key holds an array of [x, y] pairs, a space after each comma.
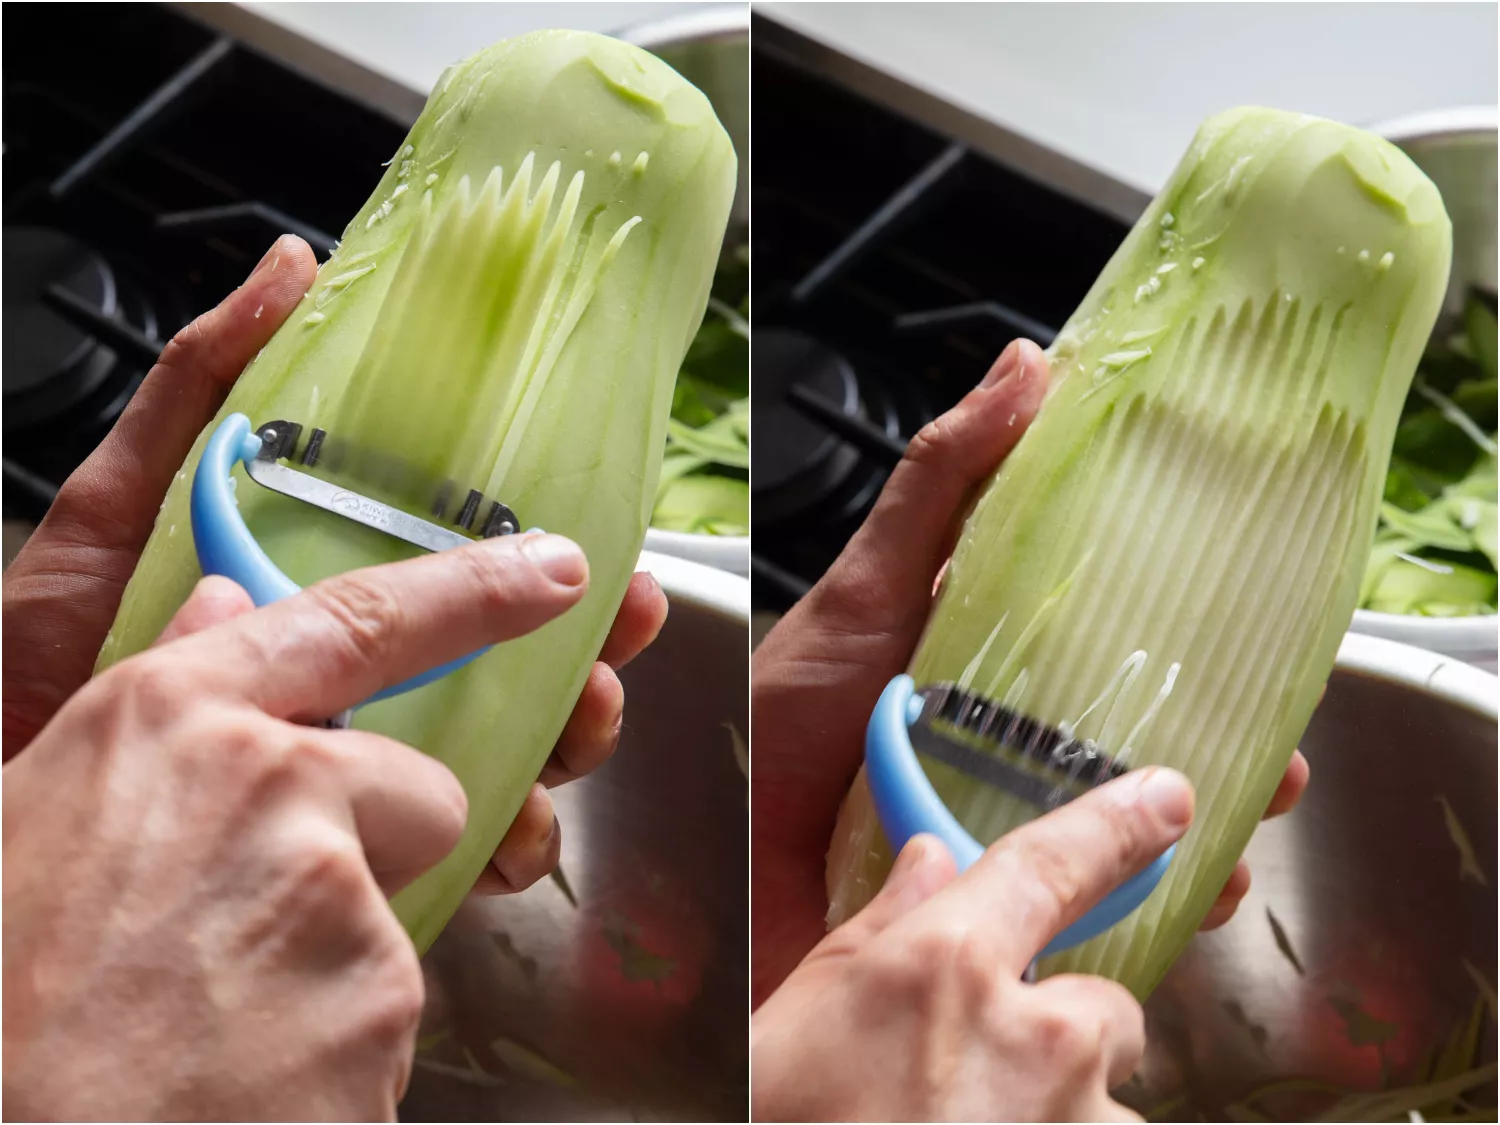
{"points": [[915, 1010], [62, 591], [195, 914], [817, 675]]}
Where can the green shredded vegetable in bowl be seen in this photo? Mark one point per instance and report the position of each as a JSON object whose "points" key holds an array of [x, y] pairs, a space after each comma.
{"points": [[1434, 551], [705, 475]]}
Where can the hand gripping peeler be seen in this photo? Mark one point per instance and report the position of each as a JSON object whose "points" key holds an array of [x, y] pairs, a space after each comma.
{"points": [[226, 547], [1038, 763]]}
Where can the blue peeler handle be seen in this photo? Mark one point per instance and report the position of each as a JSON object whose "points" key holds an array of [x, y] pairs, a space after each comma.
{"points": [[226, 547], [908, 805]]}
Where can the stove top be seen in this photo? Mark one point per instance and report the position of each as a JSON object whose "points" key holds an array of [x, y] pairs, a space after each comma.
{"points": [[891, 266], [150, 162]]}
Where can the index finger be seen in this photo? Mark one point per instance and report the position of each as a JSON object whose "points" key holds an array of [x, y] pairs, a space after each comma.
{"points": [[340, 641], [1035, 882]]}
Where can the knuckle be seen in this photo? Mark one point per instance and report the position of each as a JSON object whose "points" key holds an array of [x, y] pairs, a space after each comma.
{"points": [[230, 738], [931, 442], [151, 686], [330, 876], [1052, 871], [398, 995], [970, 965], [489, 578], [1128, 829], [933, 962], [890, 976], [75, 505], [307, 753], [280, 760], [246, 744], [184, 348], [366, 615], [1064, 1040]]}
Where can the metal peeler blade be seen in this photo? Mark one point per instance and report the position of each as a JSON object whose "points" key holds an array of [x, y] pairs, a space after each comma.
{"points": [[226, 546], [279, 442], [1039, 763]]}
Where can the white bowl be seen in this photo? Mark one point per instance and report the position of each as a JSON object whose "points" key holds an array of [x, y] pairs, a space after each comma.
{"points": [[1456, 148], [1470, 639], [710, 47], [722, 552], [706, 587], [1431, 673]]}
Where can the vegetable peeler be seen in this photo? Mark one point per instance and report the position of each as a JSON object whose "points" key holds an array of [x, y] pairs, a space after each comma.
{"points": [[1040, 764], [226, 547]]}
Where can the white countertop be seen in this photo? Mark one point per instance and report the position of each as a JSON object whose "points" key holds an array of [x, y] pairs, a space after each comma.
{"points": [[390, 55], [1120, 88], [1115, 90]]}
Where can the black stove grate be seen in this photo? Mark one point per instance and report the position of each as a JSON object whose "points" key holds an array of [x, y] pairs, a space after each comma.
{"points": [[913, 259], [166, 159]]}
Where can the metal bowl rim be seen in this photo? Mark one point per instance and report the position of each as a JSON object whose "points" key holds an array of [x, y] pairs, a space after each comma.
{"points": [[715, 22], [720, 22], [727, 552], [1469, 635], [1455, 121], [1476, 636], [703, 587], [1417, 669]]}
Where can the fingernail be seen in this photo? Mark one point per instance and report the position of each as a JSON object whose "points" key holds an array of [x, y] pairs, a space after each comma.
{"points": [[1169, 795], [558, 558], [1004, 367]]}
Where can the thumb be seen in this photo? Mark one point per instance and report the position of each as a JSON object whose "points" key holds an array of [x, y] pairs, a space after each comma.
{"points": [[882, 583], [1048, 873], [127, 475], [213, 601]]}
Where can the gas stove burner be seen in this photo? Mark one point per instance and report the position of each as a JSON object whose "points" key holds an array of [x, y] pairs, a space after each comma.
{"points": [[49, 365], [798, 463], [68, 314]]}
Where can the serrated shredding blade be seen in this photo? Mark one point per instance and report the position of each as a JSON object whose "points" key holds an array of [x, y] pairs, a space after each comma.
{"points": [[1039, 763]]}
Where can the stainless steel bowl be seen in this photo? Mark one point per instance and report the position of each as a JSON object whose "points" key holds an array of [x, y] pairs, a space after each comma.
{"points": [[625, 1001], [711, 49], [1457, 150], [1364, 880]]}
